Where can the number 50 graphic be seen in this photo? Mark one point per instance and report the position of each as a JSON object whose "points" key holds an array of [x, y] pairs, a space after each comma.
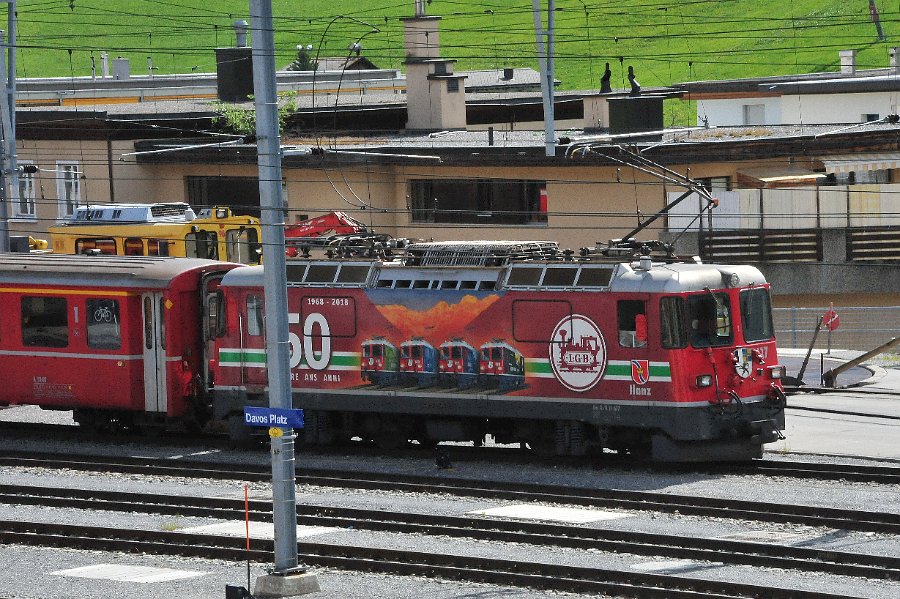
{"points": [[316, 360]]}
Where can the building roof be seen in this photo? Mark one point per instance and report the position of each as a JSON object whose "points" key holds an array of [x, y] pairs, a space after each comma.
{"points": [[887, 79]]}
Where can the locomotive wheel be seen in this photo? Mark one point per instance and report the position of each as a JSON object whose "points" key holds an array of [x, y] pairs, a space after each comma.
{"points": [[542, 439], [87, 420]]}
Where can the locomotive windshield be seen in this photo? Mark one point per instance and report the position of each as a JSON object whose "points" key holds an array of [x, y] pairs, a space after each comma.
{"points": [[709, 318], [756, 315]]}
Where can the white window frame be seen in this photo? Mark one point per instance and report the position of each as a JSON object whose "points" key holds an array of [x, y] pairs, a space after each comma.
{"points": [[23, 204], [68, 187]]}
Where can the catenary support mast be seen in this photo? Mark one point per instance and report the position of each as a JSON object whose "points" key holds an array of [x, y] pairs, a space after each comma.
{"points": [[274, 280], [8, 124]]}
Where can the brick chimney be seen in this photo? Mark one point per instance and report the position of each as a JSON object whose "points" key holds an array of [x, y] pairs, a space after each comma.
{"points": [[435, 96]]}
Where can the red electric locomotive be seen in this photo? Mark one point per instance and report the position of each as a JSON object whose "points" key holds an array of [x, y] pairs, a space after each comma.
{"points": [[118, 340], [669, 359]]}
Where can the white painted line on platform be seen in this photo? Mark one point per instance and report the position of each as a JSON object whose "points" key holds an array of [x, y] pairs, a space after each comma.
{"points": [[760, 536], [556, 514], [258, 530], [124, 573], [669, 566]]}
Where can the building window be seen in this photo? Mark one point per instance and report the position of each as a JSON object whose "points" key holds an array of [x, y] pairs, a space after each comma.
{"points": [[68, 187], [714, 184], [241, 194], [754, 114], [485, 201], [869, 117], [24, 206], [452, 86], [860, 177]]}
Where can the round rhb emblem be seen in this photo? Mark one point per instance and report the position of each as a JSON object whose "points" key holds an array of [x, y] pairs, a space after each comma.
{"points": [[577, 353]]}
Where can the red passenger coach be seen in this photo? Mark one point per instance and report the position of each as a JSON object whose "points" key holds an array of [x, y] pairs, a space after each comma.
{"points": [[118, 340], [676, 360]]}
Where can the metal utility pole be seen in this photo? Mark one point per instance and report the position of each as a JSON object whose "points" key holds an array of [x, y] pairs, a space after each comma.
{"points": [[873, 10], [8, 124], [545, 61], [268, 143]]}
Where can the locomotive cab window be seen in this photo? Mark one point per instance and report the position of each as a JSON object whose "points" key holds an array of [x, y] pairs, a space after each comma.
{"points": [[200, 244], [756, 315], [632, 317], [671, 323], [45, 322], [709, 316], [242, 246], [103, 324]]}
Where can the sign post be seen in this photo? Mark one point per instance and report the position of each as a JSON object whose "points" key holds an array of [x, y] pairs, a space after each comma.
{"points": [[288, 578]]}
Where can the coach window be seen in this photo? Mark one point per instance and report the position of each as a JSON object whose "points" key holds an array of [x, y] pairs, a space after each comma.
{"points": [[709, 315], [148, 323], [45, 322], [255, 324], [134, 246], [671, 322], [102, 246], [632, 315], [157, 247], [103, 324], [756, 315]]}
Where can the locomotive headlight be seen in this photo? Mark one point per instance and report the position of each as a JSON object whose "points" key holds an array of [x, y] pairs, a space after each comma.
{"points": [[704, 380], [731, 279], [777, 372]]}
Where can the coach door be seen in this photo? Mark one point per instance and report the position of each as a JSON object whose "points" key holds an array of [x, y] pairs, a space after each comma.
{"points": [[155, 388]]}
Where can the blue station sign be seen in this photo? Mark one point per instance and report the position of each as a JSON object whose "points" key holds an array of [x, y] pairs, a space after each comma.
{"points": [[273, 417]]}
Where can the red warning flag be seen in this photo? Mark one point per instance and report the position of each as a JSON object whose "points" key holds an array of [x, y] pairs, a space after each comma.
{"points": [[831, 320]]}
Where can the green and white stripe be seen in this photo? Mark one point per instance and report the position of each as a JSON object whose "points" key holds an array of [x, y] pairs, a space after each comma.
{"points": [[256, 358], [616, 370]]}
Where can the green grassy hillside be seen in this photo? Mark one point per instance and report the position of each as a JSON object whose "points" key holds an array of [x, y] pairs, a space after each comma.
{"points": [[664, 41]]}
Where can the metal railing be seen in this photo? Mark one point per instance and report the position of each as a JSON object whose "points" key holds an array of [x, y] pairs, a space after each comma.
{"points": [[861, 328], [873, 245]]}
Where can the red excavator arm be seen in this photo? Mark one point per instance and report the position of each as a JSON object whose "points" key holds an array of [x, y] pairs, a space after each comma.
{"points": [[327, 225]]}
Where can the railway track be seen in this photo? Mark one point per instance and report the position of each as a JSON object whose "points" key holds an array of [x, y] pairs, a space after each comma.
{"points": [[527, 533], [517, 572], [637, 501]]}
